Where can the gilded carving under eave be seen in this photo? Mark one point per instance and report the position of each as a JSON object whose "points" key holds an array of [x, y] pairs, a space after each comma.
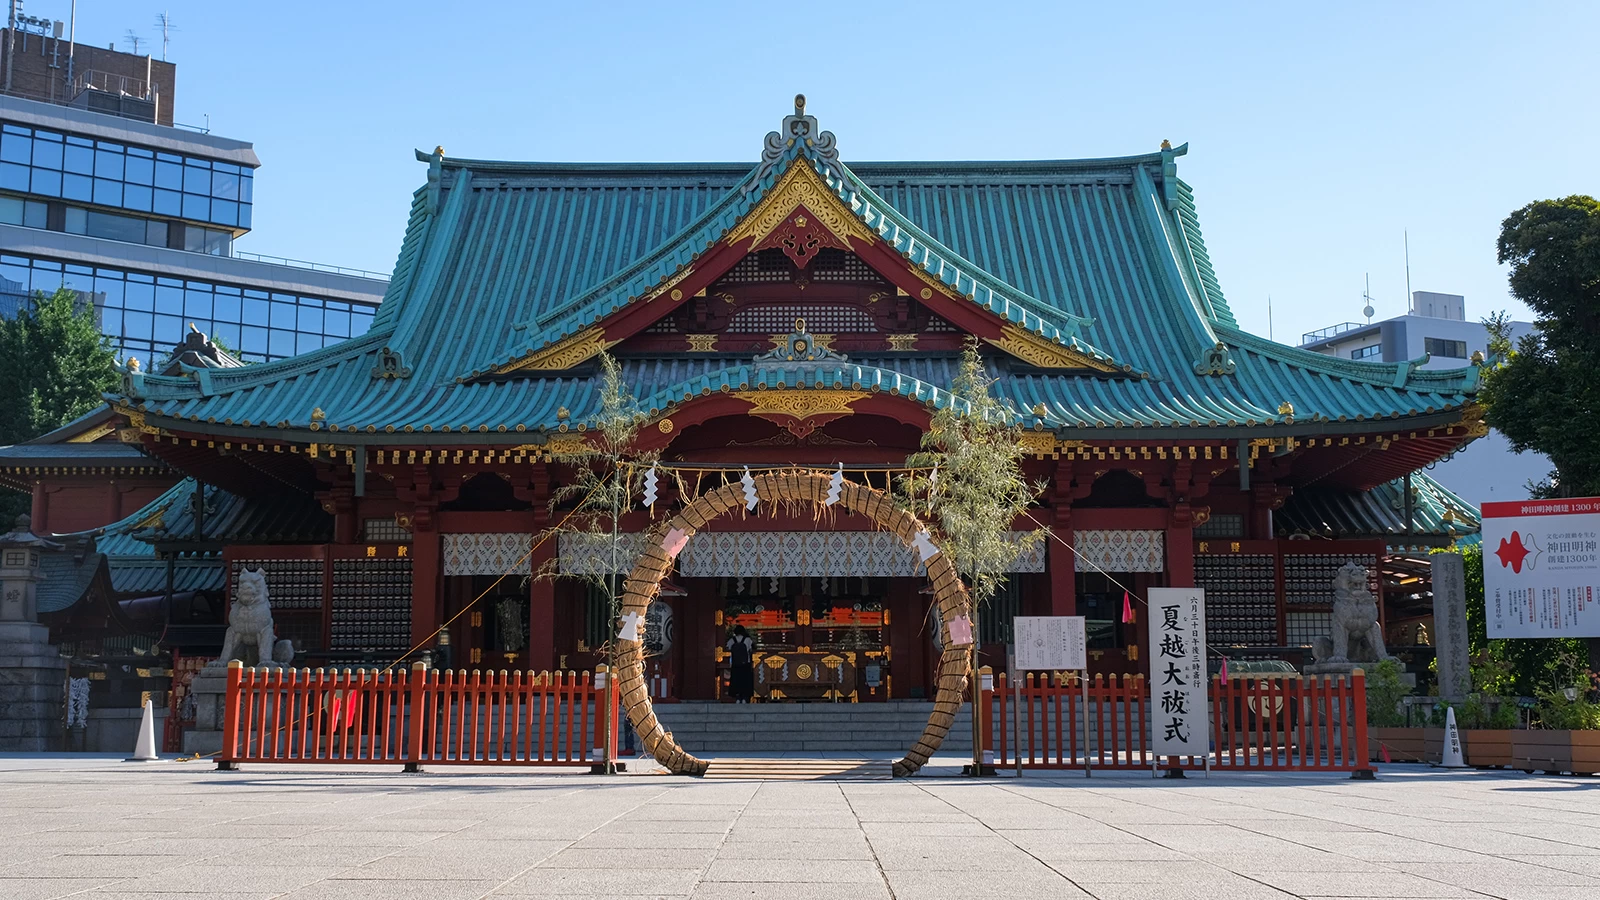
{"points": [[800, 186], [562, 355], [1046, 354], [801, 404], [702, 343], [1472, 420]]}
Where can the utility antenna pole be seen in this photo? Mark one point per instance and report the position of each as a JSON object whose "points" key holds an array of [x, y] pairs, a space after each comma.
{"points": [[164, 22], [1366, 295], [11, 42], [135, 40], [1407, 234]]}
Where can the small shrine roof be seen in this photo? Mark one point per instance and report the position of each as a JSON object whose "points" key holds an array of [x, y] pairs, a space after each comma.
{"points": [[1438, 516]]}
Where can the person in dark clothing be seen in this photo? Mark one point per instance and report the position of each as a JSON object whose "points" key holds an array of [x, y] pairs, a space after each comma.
{"points": [[742, 681]]}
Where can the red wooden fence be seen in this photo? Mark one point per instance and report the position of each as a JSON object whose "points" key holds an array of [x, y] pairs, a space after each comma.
{"points": [[1258, 724], [415, 717]]}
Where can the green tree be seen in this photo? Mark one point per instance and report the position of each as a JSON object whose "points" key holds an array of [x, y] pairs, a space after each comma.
{"points": [[1545, 394], [979, 493], [54, 366], [980, 490]]}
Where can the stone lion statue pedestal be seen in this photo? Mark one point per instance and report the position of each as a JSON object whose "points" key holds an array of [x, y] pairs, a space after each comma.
{"points": [[1355, 639], [251, 640]]}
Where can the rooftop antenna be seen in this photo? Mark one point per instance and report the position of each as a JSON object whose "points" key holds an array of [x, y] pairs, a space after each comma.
{"points": [[1367, 296], [1269, 317], [1409, 298], [165, 23], [135, 39]]}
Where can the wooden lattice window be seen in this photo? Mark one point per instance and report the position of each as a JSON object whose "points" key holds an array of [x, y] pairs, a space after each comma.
{"points": [[761, 266], [778, 318], [838, 265]]}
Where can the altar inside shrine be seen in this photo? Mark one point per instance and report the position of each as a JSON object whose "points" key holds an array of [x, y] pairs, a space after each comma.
{"points": [[816, 638]]}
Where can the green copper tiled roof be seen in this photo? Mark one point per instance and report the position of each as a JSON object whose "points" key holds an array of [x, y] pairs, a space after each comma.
{"points": [[1102, 255], [1438, 516]]}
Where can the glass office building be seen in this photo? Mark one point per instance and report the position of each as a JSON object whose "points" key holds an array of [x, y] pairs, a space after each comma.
{"points": [[141, 219]]}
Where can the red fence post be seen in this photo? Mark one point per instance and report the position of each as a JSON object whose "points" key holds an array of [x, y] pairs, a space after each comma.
{"points": [[227, 759], [1362, 759], [414, 715]]}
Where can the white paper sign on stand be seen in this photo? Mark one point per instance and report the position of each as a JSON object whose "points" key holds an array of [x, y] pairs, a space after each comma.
{"points": [[1051, 643], [1541, 567], [1179, 683]]}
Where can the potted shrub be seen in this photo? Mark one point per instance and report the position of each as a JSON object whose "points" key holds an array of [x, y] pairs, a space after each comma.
{"points": [[1386, 724]]}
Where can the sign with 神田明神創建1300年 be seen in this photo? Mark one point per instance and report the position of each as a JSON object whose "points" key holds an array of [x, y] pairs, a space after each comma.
{"points": [[1179, 712], [1541, 568]]}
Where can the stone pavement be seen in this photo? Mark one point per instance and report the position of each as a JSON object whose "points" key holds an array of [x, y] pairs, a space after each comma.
{"points": [[97, 828]]}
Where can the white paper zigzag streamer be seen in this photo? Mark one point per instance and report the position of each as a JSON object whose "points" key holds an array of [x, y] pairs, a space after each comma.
{"points": [[835, 486], [650, 487], [749, 489]]}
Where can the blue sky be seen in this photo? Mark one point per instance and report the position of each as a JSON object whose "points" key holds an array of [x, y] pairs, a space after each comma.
{"points": [[1319, 134]]}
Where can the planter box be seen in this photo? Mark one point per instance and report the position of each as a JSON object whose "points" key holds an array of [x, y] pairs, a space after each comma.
{"points": [[1488, 747], [1404, 744], [1585, 752], [1577, 752]]}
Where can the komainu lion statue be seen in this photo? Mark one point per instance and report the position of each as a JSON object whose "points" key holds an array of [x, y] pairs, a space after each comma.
{"points": [[1356, 634], [250, 637]]}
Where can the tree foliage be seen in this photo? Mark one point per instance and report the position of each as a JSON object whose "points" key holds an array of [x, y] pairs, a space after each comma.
{"points": [[980, 490], [1545, 395], [54, 365]]}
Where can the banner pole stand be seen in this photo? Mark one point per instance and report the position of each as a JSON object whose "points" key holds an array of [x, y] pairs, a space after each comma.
{"points": [[1016, 721], [1083, 679]]}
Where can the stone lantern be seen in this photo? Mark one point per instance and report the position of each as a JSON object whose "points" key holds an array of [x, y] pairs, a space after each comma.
{"points": [[32, 672]]}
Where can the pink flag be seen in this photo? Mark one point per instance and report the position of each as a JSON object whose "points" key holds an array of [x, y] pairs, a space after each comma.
{"points": [[674, 542], [1224, 672], [1384, 750], [1127, 608]]}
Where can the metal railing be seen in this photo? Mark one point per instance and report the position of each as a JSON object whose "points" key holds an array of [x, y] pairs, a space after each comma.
{"points": [[313, 266], [1323, 334]]}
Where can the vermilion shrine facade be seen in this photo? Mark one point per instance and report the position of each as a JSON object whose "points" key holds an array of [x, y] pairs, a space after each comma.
{"points": [[800, 312]]}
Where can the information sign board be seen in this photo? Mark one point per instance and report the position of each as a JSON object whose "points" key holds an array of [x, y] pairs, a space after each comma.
{"points": [[1179, 682], [1541, 568], [1051, 643]]}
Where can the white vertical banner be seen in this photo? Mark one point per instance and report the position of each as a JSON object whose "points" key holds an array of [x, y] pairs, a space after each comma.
{"points": [[1180, 722]]}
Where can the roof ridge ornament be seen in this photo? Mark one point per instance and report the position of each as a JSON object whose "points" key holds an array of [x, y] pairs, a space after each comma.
{"points": [[797, 130], [800, 347], [1215, 361]]}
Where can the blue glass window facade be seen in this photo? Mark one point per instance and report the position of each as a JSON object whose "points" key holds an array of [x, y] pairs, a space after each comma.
{"points": [[71, 168], [146, 315]]}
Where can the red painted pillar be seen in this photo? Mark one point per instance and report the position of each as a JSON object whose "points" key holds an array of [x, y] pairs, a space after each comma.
{"points": [[41, 509], [1180, 548], [542, 611], [1060, 562], [425, 552]]}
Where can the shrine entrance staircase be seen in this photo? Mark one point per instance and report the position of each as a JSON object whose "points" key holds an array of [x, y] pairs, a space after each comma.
{"points": [[889, 728]]}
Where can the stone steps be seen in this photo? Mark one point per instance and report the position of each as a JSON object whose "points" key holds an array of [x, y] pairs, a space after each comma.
{"points": [[800, 769], [889, 727]]}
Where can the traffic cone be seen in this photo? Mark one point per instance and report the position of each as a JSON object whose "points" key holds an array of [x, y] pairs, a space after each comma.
{"points": [[1452, 758], [144, 749]]}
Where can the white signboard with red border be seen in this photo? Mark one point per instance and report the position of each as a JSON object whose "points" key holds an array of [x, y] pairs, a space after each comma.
{"points": [[1541, 568]]}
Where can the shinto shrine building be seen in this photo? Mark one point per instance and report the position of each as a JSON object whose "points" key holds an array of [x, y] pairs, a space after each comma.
{"points": [[798, 311]]}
